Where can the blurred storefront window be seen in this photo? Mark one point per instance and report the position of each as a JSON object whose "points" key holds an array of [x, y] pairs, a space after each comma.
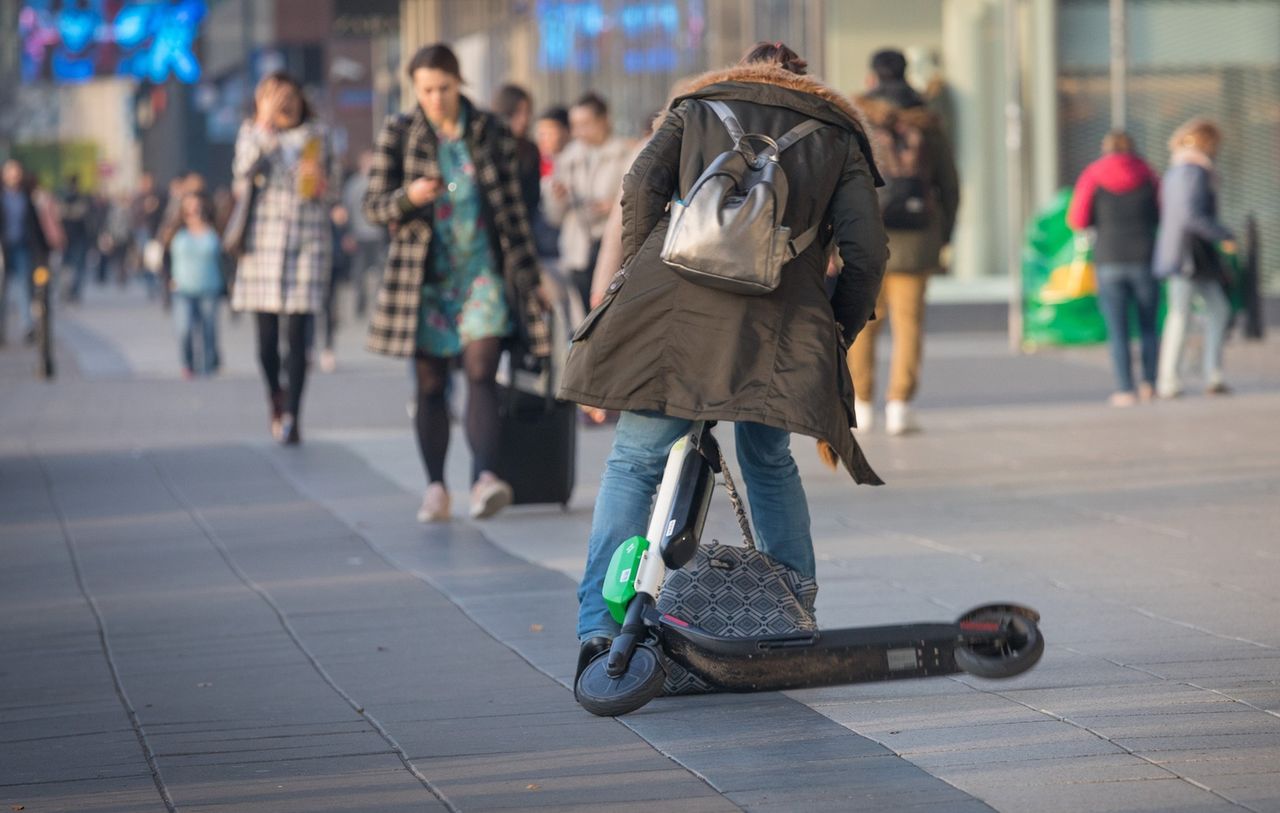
{"points": [[1215, 58]]}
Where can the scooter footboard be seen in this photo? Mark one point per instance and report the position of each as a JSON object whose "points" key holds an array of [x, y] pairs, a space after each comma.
{"points": [[810, 659]]}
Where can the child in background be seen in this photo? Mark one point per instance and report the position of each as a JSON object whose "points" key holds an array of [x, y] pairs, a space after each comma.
{"points": [[197, 283]]}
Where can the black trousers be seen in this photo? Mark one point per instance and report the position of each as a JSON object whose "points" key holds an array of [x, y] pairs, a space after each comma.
{"points": [[298, 329]]}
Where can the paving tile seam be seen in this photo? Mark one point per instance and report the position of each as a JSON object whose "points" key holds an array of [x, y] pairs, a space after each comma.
{"points": [[1059, 584], [99, 778], [310, 758], [1176, 682], [251, 752], [267, 737], [1233, 699], [283, 619], [103, 637], [1111, 741], [76, 735], [416, 573], [257, 724]]}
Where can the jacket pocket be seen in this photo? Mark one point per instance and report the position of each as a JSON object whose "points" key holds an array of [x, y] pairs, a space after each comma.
{"points": [[610, 294]]}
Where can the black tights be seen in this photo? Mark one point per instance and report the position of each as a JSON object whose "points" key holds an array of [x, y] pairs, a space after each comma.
{"points": [[480, 364], [297, 328]]}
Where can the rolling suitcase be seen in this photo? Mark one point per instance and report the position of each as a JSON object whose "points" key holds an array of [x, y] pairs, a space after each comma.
{"points": [[539, 446], [538, 451]]}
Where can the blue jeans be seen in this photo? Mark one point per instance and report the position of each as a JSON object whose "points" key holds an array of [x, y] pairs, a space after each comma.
{"points": [[1217, 309], [17, 277], [75, 260], [197, 314], [1120, 284], [779, 510]]}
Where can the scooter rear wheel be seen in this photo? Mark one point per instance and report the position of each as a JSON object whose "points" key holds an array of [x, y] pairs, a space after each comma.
{"points": [[606, 696], [1017, 647]]}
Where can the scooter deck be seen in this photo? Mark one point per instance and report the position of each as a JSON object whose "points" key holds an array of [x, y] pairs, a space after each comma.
{"points": [[809, 659]]}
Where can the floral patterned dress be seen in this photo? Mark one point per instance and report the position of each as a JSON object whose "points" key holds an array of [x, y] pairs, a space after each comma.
{"points": [[463, 299]]}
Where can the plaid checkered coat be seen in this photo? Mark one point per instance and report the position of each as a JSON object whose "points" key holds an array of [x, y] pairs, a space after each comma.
{"points": [[405, 151], [262, 282]]}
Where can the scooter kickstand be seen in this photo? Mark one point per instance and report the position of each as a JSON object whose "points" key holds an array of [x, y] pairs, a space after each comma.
{"points": [[634, 630]]}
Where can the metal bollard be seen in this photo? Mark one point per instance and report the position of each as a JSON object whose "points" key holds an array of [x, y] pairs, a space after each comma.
{"points": [[41, 308]]}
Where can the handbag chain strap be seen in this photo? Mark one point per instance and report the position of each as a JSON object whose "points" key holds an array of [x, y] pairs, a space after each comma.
{"points": [[736, 502]]}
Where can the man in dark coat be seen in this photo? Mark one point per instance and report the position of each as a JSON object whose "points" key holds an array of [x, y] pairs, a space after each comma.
{"points": [[914, 153], [25, 246], [666, 351]]}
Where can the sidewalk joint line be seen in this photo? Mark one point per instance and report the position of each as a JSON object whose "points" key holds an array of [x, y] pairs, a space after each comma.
{"points": [[1131, 752], [304, 492], [104, 639], [285, 624]]}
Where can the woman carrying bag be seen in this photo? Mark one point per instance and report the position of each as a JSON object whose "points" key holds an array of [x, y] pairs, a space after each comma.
{"points": [[461, 274], [283, 273], [666, 350], [1187, 254]]}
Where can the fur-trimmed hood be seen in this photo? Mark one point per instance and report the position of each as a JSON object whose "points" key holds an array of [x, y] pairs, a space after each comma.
{"points": [[774, 85], [766, 74], [879, 111]]}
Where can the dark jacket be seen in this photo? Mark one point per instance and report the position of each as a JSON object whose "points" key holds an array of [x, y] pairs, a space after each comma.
{"points": [[34, 239], [1118, 195], [661, 343], [529, 166], [405, 151], [1188, 211], [918, 251]]}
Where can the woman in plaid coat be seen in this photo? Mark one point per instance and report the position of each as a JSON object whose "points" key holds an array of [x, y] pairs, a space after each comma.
{"points": [[461, 275], [283, 274]]}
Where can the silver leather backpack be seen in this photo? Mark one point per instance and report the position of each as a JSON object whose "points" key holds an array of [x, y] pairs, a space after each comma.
{"points": [[727, 233]]}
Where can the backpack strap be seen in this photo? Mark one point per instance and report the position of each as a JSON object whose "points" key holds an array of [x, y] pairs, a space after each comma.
{"points": [[798, 132], [797, 246], [726, 115]]}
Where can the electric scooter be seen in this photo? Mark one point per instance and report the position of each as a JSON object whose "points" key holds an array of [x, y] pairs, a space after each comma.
{"points": [[991, 641]]}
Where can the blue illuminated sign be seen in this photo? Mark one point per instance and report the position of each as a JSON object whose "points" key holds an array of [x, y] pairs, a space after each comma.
{"points": [[70, 41], [647, 36]]}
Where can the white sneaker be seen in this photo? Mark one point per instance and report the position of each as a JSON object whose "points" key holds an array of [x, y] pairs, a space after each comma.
{"points": [[864, 414], [899, 419], [328, 361], [489, 496], [435, 504]]}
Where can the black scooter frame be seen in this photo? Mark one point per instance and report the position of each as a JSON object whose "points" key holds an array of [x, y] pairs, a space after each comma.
{"points": [[993, 640], [854, 654]]}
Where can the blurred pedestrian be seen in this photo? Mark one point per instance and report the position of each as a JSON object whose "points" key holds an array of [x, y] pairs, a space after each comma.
{"points": [[76, 216], [370, 239], [1117, 196], [25, 245], [343, 251], [551, 134], [195, 252], [918, 202], [668, 350], [462, 274], [514, 106], [113, 238], [283, 275], [584, 183], [1187, 246], [146, 212]]}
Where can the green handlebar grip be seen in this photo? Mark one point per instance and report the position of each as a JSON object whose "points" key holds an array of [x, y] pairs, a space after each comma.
{"points": [[620, 581]]}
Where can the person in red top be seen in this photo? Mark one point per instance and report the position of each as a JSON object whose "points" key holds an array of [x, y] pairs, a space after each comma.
{"points": [[1117, 195]]}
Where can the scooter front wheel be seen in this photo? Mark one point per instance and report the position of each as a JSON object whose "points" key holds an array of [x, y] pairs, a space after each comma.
{"points": [[606, 696], [1008, 641]]}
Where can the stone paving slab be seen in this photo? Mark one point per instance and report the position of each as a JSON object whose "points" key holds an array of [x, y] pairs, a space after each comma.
{"points": [[737, 743], [1145, 536]]}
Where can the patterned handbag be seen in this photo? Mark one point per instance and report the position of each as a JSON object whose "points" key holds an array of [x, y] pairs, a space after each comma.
{"points": [[738, 592]]}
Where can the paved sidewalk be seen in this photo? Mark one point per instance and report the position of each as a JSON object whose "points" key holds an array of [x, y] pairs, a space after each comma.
{"points": [[195, 619]]}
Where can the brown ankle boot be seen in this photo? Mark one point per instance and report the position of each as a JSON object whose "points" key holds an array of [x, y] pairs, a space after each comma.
{"points": [[276, 405]]}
